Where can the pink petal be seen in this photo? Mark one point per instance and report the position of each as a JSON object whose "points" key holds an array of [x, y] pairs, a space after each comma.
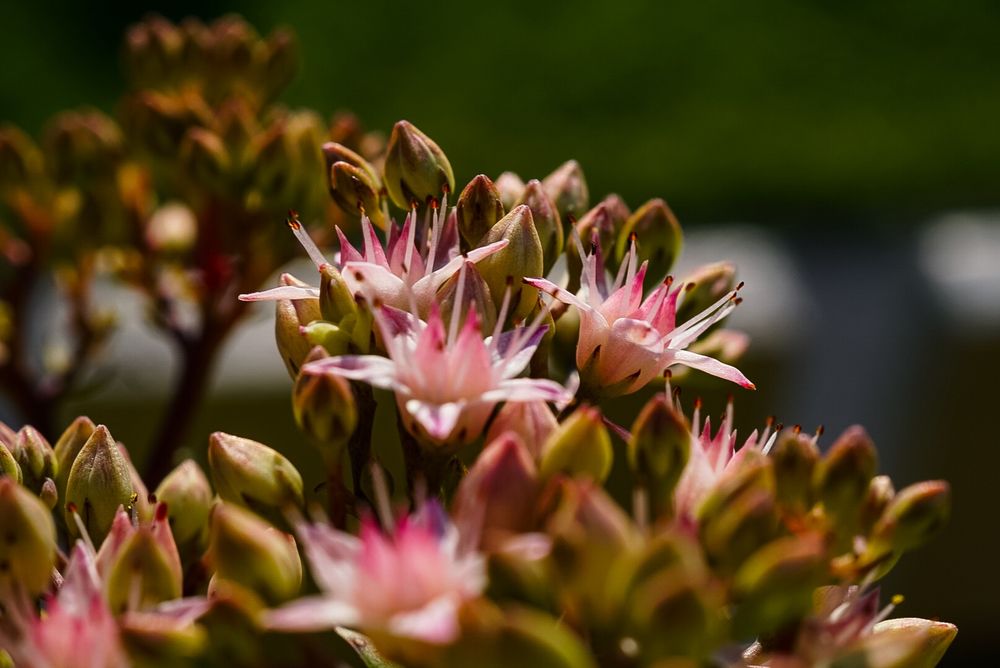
{"points": [[371, 369], [376, 283], [436, 622], [438, 419], [565, 296], [311, 614], [292, 292], [710, 366], [373, 247], [348, 253], [526, 389]]}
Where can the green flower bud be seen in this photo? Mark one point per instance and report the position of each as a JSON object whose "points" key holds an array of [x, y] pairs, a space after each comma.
{"points": [[658, 236], [143, 573], [143, 505], [28, 548], [8, 465], [522, 257], [251, 474], [153, 49], [580, 446], [416, 169], [335, 299], [20, 159], [906, 642], [288, 162], [510, 187], [289, 318], [204, 159], [281, 62], [246, 550], [674, 617], [150, 642], [188, 498], [475, 295], [913, 516], [548, 223], [703, 287], [49, 494], [333, 339], [880, 492], [567, 187], [478, 209], [841, 478], [35, 457], [658, 451], [795, 456], [334, 153], [325, 409], [99, 481], [159, 123], [355, 193], [82, 147], [605, 219]]}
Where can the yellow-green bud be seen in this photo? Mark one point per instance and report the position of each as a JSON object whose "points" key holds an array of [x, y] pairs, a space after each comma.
{"points": [[188, 498], [913, 516], [580, 446], [150, 642], [204, 159], [795, 456], [335, 299], [82, 146], [658, 451], [20, 159], [36, 458], [880, 492], [416, 169], [906, 642], [290, 315], [28, 548], [251, 474], [334, 153], [143, 573], [281, 62], [548, 222], [658, 237], [567, 187], [478, 209], [49, 494], [246, 550], [511, 187], [520, 258], [8, 465], [324, 408], [355, 193], [675, 617], [841, 478], [99, 481], [703, 287]]}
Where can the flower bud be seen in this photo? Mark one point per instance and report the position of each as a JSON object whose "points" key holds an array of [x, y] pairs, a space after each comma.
{"points": [[658, 236], [355, 193], [880, 492], [658, 451], [703, 287], [324, 408], [521, 257], [548, 223], [82, 146], [188, 498], [159, 123], [99, 481], [35, 457], [841, 478], [49, 494], [143, 574], [532, 421], [567, 187], [20, 160], [605, 219], [478, 209], [280, 62], [475, 295], [334, 153], [906, 642], [204, 159], [246, 550], [28, 548], [913, 516], [251, 474], [416, 169], [795, 456], [580, 446], [675, 617], [290, 315], [510, 187], [143, 504], [9, 467], [335, 299], [148, 639]]}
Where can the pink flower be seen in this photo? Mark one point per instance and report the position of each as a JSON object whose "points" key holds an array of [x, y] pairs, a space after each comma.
{"points": [[408, 581], [399, 275], [447, 383], [625, 340]]}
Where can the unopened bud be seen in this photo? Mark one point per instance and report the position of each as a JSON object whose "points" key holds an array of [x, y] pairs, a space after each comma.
{"points": [[580, 446], [188, 498], [82, 146], [567, 187], [703, 287], [478, 209], [795, 456], [416, 169], [520, 258], [676, 617], [475, 295], [143, 573], [251, 474], [246, 550], [356, 193], [511, 187], [98, 483], [20, 159], [335, 299], [658, 235], [605, 219], [35, 457], [548, 222], [9, 467], [49, 494], [658, 451], [533, 421], [913, 516], [841, 478], [281, 62], [906, 642], [880, 492], [204, 159], [324, 408], [28, 548], [290, 315]]}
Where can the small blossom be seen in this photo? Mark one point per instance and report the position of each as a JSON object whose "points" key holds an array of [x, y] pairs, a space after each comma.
{"points": [[625, 340]]}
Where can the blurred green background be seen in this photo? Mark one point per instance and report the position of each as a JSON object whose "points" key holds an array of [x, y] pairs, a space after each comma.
{"points": [[840, 129]]}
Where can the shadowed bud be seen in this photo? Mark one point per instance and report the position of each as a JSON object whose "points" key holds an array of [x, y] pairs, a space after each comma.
{"points": [[188, 498], [567, 187], [906, 642], [606, 218], [533, 421], [151, 641], [841, 478], [795, 456], [478, 209], [335, 299], [707, 285], [251, 474], [8, 465], [204, 159], [82, 146], [356, 193], [580, 446], [280, 61], [143, 573], [548, 223], [49, 494], [475, 295], [511, 187], [880, 492], [290, 315], [20, 159], [913, 516], [246, 550], [28, 548], [658, 451], [675, 617], [416, 169], [98, 483], [658, 236], [521, 257], [324, 409], [35, 457]]}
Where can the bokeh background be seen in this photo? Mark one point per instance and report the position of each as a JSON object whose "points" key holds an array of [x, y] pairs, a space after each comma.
{"points": [[846, 155]]}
